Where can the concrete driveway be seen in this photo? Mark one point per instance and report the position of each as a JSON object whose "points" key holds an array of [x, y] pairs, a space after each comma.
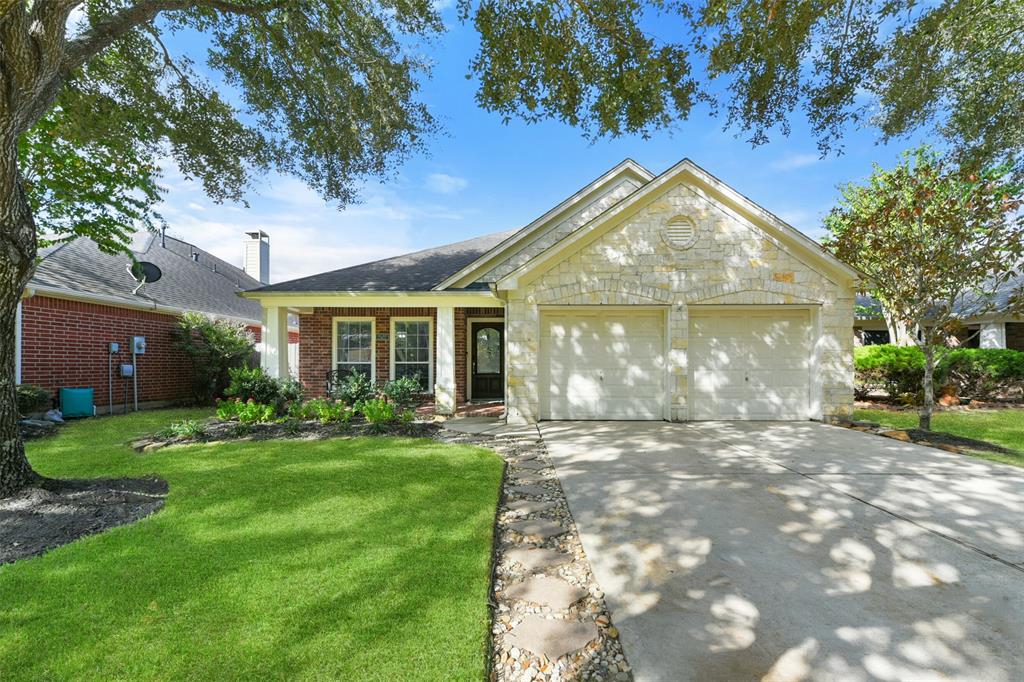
{"points": [[793, 551]]}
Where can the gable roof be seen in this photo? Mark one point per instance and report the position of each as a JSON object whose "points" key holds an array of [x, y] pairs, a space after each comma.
{"points": [[799, 244], [209, 285], [627, 168], [418, 271], [968, 306]]}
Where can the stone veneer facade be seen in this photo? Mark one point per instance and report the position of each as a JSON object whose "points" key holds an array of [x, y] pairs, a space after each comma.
{"points": [[732, 262]]}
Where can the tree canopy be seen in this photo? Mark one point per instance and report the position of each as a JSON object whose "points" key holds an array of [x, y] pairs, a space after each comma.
{"points": [[938, 243]]}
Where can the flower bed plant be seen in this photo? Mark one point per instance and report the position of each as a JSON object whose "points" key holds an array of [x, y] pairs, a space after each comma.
{"points": [[261, 407]]}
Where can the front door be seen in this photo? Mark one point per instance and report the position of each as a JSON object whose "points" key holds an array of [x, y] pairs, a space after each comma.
{"points": [[488, 360]]}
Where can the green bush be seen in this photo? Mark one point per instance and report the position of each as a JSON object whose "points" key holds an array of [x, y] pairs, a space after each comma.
{"points": [[31, 398], [983, 373], [253, 412], [188, 428], [213, 346], [291, 390], [323, 410], [403, 392], [898, 370], [252, 384], [355, 388], [228, 409], [378, 412]]}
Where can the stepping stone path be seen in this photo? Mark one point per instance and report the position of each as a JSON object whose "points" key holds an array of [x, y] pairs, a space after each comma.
{"points": [[552, 638], [531, 490], [550, 622], [538, 529], [544, 590], [536, 558], [530, 506]]}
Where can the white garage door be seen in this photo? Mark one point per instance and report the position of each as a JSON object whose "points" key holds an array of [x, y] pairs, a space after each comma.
{"points": [[746, 364], [602, 364]]}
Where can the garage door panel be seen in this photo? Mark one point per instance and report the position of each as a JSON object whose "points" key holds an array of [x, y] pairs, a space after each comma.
{"points": [[602, 365], [753, 365]]}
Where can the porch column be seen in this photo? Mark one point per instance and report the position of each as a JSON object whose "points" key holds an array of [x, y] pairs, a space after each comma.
{"points": [[444, 380], [17, 345], [274, 337], [993, 335]]}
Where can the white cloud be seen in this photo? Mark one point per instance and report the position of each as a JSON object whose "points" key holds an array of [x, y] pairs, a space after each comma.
{"points": [[307, 235], [442, 183], [794, 161]]}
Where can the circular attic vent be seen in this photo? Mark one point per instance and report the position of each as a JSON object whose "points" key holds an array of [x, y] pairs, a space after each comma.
{"points": [[681, 232]]}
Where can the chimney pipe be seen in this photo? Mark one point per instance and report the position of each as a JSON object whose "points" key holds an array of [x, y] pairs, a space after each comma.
{"points": [[256, 256]]}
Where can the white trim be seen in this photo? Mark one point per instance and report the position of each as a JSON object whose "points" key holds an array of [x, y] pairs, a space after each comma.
{"points": [[430, 348], [373, 342], [115, 302], [17, 345], [376, 299], [444, 382], [624, 167], [469, 354]]}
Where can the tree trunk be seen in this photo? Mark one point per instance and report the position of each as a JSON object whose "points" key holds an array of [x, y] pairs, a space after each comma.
{"points": [[925, 421], [17, 262]]}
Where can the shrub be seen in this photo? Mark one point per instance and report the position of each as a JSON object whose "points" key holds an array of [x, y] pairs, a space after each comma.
{"points": [[323, 410], [228, 409], [252, 384], [378, 412], [253, 412], [983, 373], [291, 390], [31, 398], [213, 346], [403, 392], [355, 388], [188, 428], [898, 370]]}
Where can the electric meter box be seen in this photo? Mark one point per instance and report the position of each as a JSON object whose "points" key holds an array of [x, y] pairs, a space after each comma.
{"points": [[138, 345], [127, 370]]}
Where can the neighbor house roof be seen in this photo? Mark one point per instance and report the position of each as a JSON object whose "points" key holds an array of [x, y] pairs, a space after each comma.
{"points": [[418, 271], [969, 306], [201, 283]]}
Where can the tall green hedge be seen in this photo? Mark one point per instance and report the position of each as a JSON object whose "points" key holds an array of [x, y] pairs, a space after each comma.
{"points": [[981, 373]]}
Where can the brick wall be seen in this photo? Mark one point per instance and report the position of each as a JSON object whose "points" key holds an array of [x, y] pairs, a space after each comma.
{"points": [[317, 337], [64, 344]]}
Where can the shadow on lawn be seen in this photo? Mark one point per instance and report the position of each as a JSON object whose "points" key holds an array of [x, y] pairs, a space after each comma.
{"points": [[335, 559]]}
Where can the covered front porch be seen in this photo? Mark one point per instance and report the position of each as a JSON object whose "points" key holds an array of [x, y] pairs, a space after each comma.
{"points": [[453, 344]]}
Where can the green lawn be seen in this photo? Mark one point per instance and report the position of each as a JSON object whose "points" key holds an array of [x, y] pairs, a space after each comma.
{"points": [[1001, 427], [339, 559]]}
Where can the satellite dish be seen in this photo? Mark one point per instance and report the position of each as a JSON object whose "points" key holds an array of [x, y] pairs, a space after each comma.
{"points": [[144, 273]]}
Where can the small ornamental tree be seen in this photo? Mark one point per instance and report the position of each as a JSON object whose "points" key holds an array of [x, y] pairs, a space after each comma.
{"points": [[936, 243], [214, 347]]}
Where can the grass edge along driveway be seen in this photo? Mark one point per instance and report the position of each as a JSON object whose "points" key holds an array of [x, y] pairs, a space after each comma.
{"points": [[347, 559], [1004, 427]]}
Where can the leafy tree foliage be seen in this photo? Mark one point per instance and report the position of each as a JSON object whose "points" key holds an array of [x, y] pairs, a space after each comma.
{"points": [[215, 347], [936, 242]]}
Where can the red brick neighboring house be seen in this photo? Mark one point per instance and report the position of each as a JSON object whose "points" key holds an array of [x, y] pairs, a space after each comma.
{"points": [[81, 300]]}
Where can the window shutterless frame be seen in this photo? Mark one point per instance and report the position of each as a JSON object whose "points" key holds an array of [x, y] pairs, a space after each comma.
{"points": [[428, 364], [336, 361]]}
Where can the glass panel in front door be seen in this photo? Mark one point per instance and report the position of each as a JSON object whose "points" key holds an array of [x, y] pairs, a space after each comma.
{"points": [[488, 351]]}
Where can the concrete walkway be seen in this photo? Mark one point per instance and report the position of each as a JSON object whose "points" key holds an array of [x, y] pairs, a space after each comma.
{"points": [[792, 551]]}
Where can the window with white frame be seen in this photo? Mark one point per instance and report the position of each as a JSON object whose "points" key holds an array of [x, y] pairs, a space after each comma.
{"points": [[353, 344], [411, 351]]}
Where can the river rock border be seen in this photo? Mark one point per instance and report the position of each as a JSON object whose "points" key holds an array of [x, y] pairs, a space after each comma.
{"points": [[549, 620]]}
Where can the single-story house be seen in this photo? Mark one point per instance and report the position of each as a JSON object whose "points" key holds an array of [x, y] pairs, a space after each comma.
{"points": [[998, 328], [641, 296], [80, 300]]}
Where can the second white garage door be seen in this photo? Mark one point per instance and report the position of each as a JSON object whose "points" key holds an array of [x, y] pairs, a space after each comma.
{"points": [[749, 364], [602, 364]]}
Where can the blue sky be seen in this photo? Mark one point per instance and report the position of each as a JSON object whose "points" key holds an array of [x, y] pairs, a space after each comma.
{"points": [[483, 176]]}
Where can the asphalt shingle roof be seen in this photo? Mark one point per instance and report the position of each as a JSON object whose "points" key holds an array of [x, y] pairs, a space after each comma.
{"points": [[968, 306], [209, 285], [419, 271]]}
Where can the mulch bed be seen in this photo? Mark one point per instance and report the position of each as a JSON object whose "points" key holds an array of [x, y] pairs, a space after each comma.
{"points": [[217, 431], [935, 439], [52, 512]]}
